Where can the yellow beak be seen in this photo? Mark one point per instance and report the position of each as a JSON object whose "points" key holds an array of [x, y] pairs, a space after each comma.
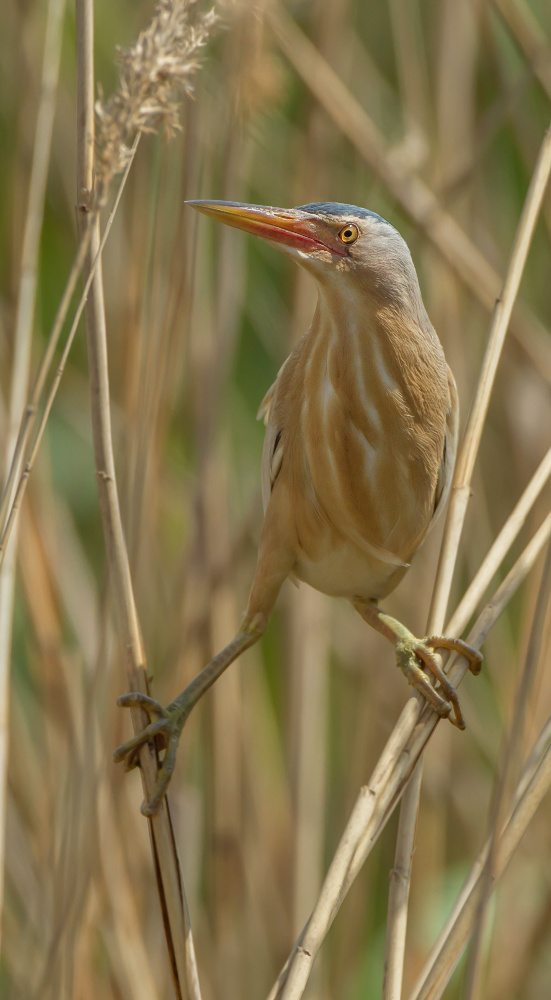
{"points": [[289, 227]]}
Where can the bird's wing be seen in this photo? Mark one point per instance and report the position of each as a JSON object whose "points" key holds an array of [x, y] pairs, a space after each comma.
{"points": [[445, 472], [272, 459], [266, 404], [272, 453]]}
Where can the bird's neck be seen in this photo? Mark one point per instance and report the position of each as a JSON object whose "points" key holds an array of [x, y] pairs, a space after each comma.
{"points": [[380, 350]]}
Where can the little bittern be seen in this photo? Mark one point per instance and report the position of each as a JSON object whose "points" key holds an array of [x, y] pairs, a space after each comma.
{"points": [[359, 449]]}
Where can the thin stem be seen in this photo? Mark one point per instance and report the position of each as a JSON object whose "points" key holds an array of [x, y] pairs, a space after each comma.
{"points": [[512, 751], [169, 880], [26, 302], [398, 897], [403, 184], [499, 548], [496, 337], [399, 887], [377, 800], [31, 408], [534, 783], [83, 249], [400, 881]]}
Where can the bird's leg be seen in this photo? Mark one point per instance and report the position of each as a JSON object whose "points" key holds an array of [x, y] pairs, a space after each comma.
{"points": [[410, 650], [170, 721]]}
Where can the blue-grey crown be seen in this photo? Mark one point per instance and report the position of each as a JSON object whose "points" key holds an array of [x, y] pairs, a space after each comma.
{"points": [[337, 208]]}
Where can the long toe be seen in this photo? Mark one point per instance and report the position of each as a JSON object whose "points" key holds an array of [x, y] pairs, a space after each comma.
{"points": [[168, 724], [416, 658], [424, 651], [408, 662], [135, 699], [128, 749], [474, 656]]}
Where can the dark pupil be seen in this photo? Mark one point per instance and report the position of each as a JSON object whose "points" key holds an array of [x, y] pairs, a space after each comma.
{"points": [[348, 232]]}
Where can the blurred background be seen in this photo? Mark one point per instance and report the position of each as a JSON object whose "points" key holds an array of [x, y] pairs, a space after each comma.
{"points": [[431, 113]]}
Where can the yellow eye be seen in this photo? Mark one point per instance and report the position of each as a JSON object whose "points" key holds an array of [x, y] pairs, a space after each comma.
{"points": [[349, 234]]}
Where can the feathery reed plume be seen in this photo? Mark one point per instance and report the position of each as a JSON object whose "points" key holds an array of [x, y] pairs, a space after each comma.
{"points": [[152, 72]]}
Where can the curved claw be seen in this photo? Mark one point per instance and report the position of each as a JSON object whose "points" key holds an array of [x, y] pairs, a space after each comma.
{"points": [[427, 657], [424, 651], [413, 654], [407, 656]]}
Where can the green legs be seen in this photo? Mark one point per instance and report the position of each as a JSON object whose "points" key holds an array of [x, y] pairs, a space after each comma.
{"points": [[412, 655], [170, 721]]}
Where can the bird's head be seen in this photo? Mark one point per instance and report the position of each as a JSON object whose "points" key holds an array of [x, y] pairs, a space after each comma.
{"points": [[341, 245]]}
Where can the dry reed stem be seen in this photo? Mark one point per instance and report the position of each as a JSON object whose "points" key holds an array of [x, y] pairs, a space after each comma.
{"points": [[25, 310], [533, 785], [149, 107], [400, 881], [296, 47], [496, 337], [511, 753], [128, 933], [31, 408], [485, 622], [319, 923], [252, 768], [161, 62], [461, 492], [456, 73], [443, 958], [27, 420], [412, 193], [499, 548], [8, 514], [309, 672], [150, 71], [72, 753], [169, 880], [377, 800]]}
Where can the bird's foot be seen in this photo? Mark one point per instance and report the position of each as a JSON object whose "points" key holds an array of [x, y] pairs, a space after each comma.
{"points": [[411, 652], [417, 656], [168, 723]]}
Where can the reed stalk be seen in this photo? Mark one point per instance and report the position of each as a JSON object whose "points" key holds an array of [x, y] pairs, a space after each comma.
{"points": [[170, 885], [24, 319]]}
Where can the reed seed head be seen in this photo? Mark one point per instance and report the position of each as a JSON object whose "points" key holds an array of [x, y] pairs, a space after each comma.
{"points": [[153, 73]]}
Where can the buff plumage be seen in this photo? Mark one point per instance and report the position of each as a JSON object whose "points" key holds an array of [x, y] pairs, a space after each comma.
{"points": [[359, 450]]}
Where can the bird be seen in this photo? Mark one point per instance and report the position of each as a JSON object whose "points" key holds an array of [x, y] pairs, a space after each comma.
{"points": [[359, 450]]}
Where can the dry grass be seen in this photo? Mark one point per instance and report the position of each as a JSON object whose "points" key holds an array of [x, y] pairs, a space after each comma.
{"points": [[433, 115]]}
